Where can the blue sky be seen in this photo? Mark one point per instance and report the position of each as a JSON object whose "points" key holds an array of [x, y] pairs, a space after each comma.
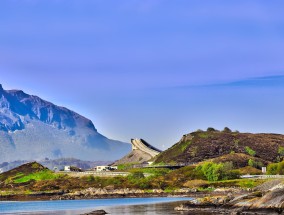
{"points": [[154, 69]]}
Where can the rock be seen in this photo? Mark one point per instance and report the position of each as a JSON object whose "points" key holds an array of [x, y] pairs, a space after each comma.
{"points": [[97, 212]]}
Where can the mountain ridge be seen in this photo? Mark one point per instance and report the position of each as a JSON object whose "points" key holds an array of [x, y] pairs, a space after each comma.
{"points": [[51, 131]]}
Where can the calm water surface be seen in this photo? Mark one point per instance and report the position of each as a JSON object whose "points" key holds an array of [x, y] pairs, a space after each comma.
{"points": [[119, 206]]}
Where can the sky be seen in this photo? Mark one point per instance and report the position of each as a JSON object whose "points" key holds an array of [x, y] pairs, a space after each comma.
{"points": [[151, 69]]}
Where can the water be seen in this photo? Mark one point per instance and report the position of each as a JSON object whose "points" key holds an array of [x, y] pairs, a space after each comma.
{"points": [[119, 206]]}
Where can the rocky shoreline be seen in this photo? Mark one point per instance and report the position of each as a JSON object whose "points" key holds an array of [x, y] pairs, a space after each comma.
{"points": [[100, 193], [265, 199]]}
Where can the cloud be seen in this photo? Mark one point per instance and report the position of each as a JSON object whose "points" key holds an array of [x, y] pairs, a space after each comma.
{"points": [[272, 81]]}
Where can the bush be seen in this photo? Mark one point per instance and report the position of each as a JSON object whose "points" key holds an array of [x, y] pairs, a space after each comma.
{"points": [[281, 151], [250, 151], [275, 168], [255, 164], [280, 168], [218, 171], [272, 169], [137, 175]]}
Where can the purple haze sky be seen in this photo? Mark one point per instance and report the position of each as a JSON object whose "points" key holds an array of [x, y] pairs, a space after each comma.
{"points": [[154, 69]]}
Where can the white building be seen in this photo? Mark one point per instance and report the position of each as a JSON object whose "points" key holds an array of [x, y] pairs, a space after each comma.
{"points": [[102, 168], [105, 168], [67, 168]]}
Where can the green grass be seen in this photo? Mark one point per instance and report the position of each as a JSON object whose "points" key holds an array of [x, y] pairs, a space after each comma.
{"points": [[169, 190], [202, 189], [185, 145], [38, 176], [126, 166], [203, 135], [243, 183]]}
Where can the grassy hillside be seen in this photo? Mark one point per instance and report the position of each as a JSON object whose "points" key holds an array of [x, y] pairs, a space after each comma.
{"points": [[239, 147], [26, 173]]}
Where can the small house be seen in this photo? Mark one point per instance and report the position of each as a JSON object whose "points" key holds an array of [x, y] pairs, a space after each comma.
{"points": [[67, 168], [102, 168]]}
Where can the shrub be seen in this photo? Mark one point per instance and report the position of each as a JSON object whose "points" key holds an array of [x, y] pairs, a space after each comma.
{"points": [[218, 171], [250, 151], [280, 168], [281, 150], [255, 164], [212, 171], [272, 169], [275, 168], [137, 175]]}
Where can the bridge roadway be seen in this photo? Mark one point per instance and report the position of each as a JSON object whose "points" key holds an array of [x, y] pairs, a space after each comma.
{"points": [[169, 166], [145, 147], [262, 176], [99, 174]]}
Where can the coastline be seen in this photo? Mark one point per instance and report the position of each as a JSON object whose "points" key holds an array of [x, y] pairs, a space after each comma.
{"points": [[120, 206], [103, 193], [68, 196], [265, 199]]}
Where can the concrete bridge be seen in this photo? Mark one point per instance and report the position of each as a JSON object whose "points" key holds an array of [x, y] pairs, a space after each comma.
{"points": [[145, 147]]}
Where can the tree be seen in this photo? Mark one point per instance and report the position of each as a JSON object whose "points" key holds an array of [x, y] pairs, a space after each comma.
{"points": [[218, 171], [210, 129], [226, 129], [211, 171]]}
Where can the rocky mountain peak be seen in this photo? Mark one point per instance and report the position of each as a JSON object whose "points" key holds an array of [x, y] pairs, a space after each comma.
{"points": [[29, 122]]}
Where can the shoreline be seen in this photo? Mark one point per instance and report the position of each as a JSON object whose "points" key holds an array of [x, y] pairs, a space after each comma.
{"points": [[104, 193], [91, 207], [70, 196]]}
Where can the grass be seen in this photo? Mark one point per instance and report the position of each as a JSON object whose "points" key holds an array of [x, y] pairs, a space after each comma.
{"points": [[126, 166], [203, 135], [242, 183], [185, 145], [38, 176]]}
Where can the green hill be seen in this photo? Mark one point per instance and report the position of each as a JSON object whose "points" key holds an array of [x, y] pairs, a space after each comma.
{"points": [[238, 147], [28, 172]]}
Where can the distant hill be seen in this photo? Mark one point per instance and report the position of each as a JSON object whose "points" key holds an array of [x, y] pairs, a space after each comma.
{"points": [[33, 129], [25, 169], [225, 146]]}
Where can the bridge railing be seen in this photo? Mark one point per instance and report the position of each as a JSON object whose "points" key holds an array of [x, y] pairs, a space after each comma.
{"points": [[162, 165], [262, 176]]}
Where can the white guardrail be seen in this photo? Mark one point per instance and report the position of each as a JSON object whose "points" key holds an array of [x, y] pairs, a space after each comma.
{"points": [[262, 176], [100, 174]]}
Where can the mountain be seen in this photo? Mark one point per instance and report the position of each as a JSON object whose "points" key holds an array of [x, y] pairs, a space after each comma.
{"points": [[33, 129], [222, 146]]}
